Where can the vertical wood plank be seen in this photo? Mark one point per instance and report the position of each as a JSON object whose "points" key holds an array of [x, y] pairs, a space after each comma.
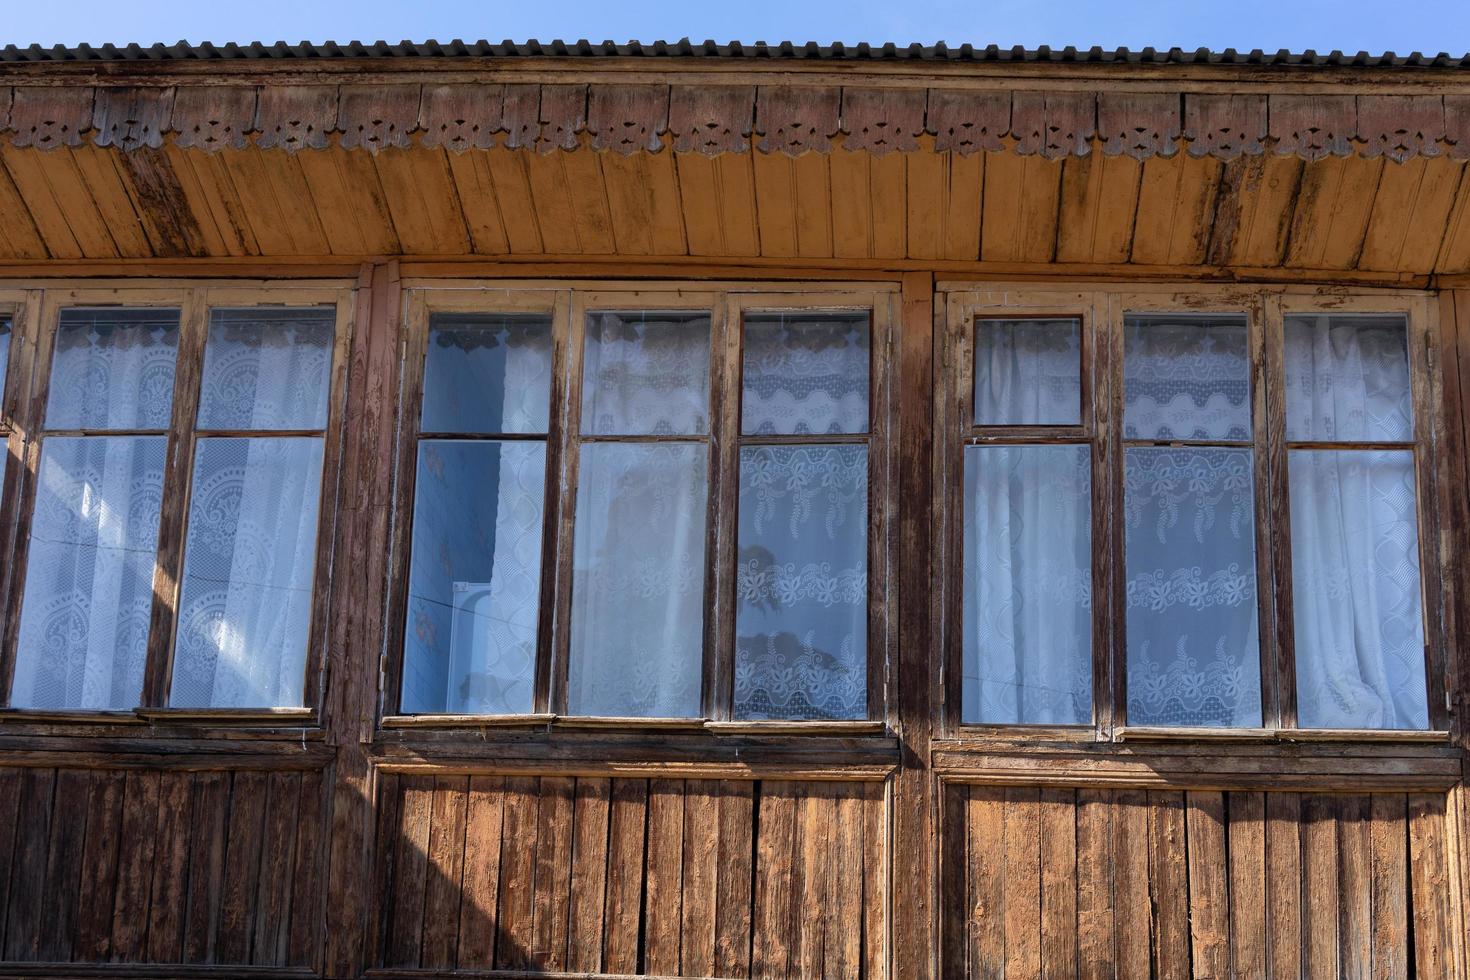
{"points": [[774, 917], [273, 896], [410, 871], [589, 874], [1058, 882], [622, 918], [775, 200], [1387, 834], [701, 873], [963, 217], [663, 876], [242, 867], [1096, 840], [135, 866], [1430, 883], [516, 921], [553, 873], [166, 909], [954, 919], [842, 938], [1022, 882], [876, 881], [308, 888], [474, 182], [1168, 878], [986, 823], [809, 881], [852, 204], [1209, 902], [99, 860], [1355, 887], [208, 845], [1284, 883], [28, 866], [445, 872], [1247, 830], [478, 917], [733, 888], [1320, 880], [64, 866]]}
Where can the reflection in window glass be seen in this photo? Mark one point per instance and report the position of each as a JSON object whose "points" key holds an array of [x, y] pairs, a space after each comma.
{"points": [[1357, 611], [1347, 379], [805, 374], [4, 351], [1028, 372], [1027, 588], [267, 369], [487, 374], [113, 369], [474, 578], [1186, 378], [638, 569], [646, 373], [245, 600], [83, 637], [802, 583], [1193, 642]]}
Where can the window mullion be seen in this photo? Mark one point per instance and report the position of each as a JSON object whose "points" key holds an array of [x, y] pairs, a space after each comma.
{"points": [[179, 459], [1265, 322], [1109, 500], [726, 384], [554, 646], [1278, 516]]}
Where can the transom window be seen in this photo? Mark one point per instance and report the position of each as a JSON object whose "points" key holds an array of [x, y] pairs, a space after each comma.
{"points": [[173, 531], [1173, 515], [643, 505]]}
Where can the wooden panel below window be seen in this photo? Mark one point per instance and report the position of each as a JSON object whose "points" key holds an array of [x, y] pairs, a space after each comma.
{"points": [[665, 877], [149, 866], [1131, 883]]}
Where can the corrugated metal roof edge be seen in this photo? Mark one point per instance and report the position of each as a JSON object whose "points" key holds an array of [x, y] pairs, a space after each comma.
{"points": [[786, 50]]}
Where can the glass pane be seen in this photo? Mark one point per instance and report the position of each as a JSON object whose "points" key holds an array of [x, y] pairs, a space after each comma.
{"points": [[267, 369], [474, 579], [1193, 642], [246, 595], [1028, 372], [638, 581], [4, 353], [646, 374], [1186, 378], [1356, 602], [801, 624], [113, 369], [89, 573], [487, 374], [1347, 379], [805, 374], [1028, 585]]}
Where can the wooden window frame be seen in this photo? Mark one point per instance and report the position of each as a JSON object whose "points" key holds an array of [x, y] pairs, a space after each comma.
{"points": [[194, 301], [569, 302], [1105, 308]]}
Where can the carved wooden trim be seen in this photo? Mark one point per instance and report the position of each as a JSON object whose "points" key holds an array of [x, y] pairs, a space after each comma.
{"points": [[1141, 125], [1457, 125], [213, 117], [295, 117], [1401, 127], [1054, 124], [969, 121], [461, 117], [1314, 126], [521, 115], [882, 120], [563, 115], [712, 119], [130, 118], [51, 117], [628, 118], [376, 117], [794, 120], [1225, 126]]}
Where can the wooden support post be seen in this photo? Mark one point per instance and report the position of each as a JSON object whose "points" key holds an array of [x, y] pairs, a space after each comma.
{"points": [[356, 641], [915, 808]]}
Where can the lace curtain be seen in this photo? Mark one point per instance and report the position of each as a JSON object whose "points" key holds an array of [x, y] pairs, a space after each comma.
{"points": [[475, 559], [245, 599], [1356, 600], [638, 554], [88, 594]]}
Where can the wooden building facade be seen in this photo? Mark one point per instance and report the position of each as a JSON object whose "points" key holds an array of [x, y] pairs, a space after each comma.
{"points": [[715, 511]]}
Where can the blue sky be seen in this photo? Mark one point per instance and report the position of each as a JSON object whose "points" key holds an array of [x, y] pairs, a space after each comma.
{"points": [[1351, 25]]}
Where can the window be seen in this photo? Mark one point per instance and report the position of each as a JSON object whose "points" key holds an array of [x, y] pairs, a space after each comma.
{"points": [[113, 522], [705, 547], [1208, 519]]}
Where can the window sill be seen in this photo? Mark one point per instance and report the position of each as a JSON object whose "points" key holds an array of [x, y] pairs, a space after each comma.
{"points": [[842, 728], [467, 721], [25, 716], [1146, 734], [225, 716]]}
